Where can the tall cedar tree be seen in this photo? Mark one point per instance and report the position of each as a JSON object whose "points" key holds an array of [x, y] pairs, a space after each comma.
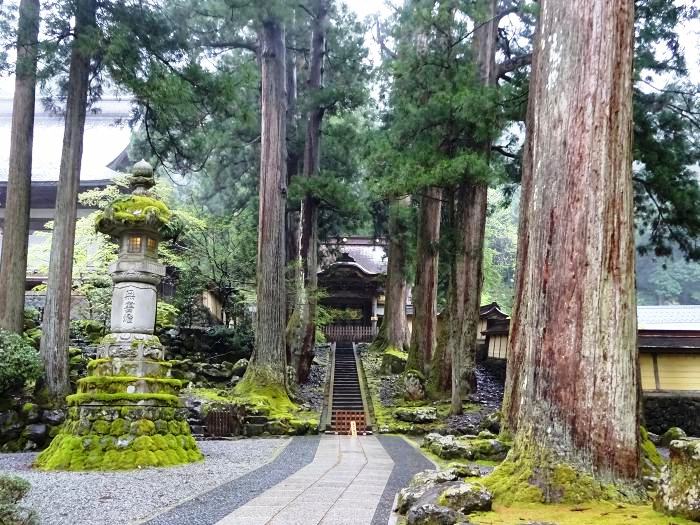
{"points": [[393, 332], [13, 264], [267, 366], [424, 333], [466, 273], [55, 328], [308, 248], [571, 393], [424, 327]]}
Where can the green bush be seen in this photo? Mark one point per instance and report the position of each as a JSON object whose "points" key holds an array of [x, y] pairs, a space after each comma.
{"points": [[31, 318], [88, 329], [236, 341], [19, 361], [166, 315], [12, 490]]}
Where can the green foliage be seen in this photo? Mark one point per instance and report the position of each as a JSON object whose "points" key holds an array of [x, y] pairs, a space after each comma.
{"points": [[216, 254], [237, 340], [500, 247], [438, 111], [19, 362], [667, 281], [88, 329], [166, 315]]}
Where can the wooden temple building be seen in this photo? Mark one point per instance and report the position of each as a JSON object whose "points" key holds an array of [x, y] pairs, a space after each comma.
{"points": [[105, 143]]}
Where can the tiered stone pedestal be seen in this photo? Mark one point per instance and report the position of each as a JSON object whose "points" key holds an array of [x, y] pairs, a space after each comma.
{"points": [[126, 415]]}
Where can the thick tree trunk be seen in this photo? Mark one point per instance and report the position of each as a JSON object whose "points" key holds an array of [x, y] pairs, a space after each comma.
{"points": [[424, 336], [312, 165], [470, 224], [571, 393], [295, 277], [466, 275], [267, 366], [394, 330], [440, 378], [55, 328], [13, 265], [293, 228]]}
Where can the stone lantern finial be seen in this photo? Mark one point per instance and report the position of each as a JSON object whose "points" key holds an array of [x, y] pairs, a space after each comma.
{"points": [[142, 178]]}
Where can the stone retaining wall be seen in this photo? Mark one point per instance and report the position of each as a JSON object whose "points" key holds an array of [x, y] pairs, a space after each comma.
{"points": [[26, 426], [663, 410]]}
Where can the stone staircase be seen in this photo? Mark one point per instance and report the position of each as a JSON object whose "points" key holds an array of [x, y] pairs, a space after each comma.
{"points": [[346, 401]]}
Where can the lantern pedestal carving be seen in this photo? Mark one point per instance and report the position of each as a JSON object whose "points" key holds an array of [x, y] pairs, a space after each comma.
{"points": [[127, 413]]}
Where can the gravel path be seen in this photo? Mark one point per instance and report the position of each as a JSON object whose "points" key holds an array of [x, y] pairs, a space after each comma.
{"points": [[118, 498]]}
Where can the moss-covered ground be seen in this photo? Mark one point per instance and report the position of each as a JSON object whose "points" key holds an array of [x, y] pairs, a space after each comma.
{"points": [[383, 409], [512, 493], [597, 513], [268, 402]]}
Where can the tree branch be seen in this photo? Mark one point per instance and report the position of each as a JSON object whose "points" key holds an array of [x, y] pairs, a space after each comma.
{"points": [[233, 44], [512, 64], [504, 152]]}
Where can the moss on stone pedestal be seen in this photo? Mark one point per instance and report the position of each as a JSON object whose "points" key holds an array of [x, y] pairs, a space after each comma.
{"points": [[121, 437], [108, 427], [133, 210]]}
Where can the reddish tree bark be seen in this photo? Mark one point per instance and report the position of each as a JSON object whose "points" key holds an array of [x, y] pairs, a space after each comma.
{"points": [[393, 332], [571, 393], [424, 335], [56, 325], [13, 264]]}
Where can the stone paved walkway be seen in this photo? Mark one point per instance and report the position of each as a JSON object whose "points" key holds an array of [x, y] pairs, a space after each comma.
{"points": [[329, 480], [342, 486]]}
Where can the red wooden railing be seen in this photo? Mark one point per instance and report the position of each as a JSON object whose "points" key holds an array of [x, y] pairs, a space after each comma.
{"points": [[355, 334]]}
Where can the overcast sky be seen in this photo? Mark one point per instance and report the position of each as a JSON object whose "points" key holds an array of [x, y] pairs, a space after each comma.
{"points": [[689, 37]]}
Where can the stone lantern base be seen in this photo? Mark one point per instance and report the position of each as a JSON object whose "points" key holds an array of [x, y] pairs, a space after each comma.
{"points": [[126, 415]]}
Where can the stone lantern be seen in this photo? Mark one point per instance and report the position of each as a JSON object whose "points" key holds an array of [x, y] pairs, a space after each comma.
{"points": [[127, 413]]}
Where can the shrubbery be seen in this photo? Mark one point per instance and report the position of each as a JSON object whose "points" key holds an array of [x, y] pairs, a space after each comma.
{"points": [[12, 490], [238, 340], [19, 361], [166, 315], [88, 329]]}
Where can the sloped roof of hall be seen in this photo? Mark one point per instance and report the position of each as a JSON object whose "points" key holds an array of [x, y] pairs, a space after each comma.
{"points": [[367, 253], [107, 135], [669, 317]]}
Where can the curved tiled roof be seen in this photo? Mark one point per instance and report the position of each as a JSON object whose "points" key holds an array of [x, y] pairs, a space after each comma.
{"points": [[106, 136]]}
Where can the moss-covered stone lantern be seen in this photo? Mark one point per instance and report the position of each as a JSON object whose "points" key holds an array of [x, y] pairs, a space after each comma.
{"points": [[127, 413]]}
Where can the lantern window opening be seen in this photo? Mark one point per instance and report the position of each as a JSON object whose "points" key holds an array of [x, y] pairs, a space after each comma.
{"points": [[134, 244], [151, 246]]}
